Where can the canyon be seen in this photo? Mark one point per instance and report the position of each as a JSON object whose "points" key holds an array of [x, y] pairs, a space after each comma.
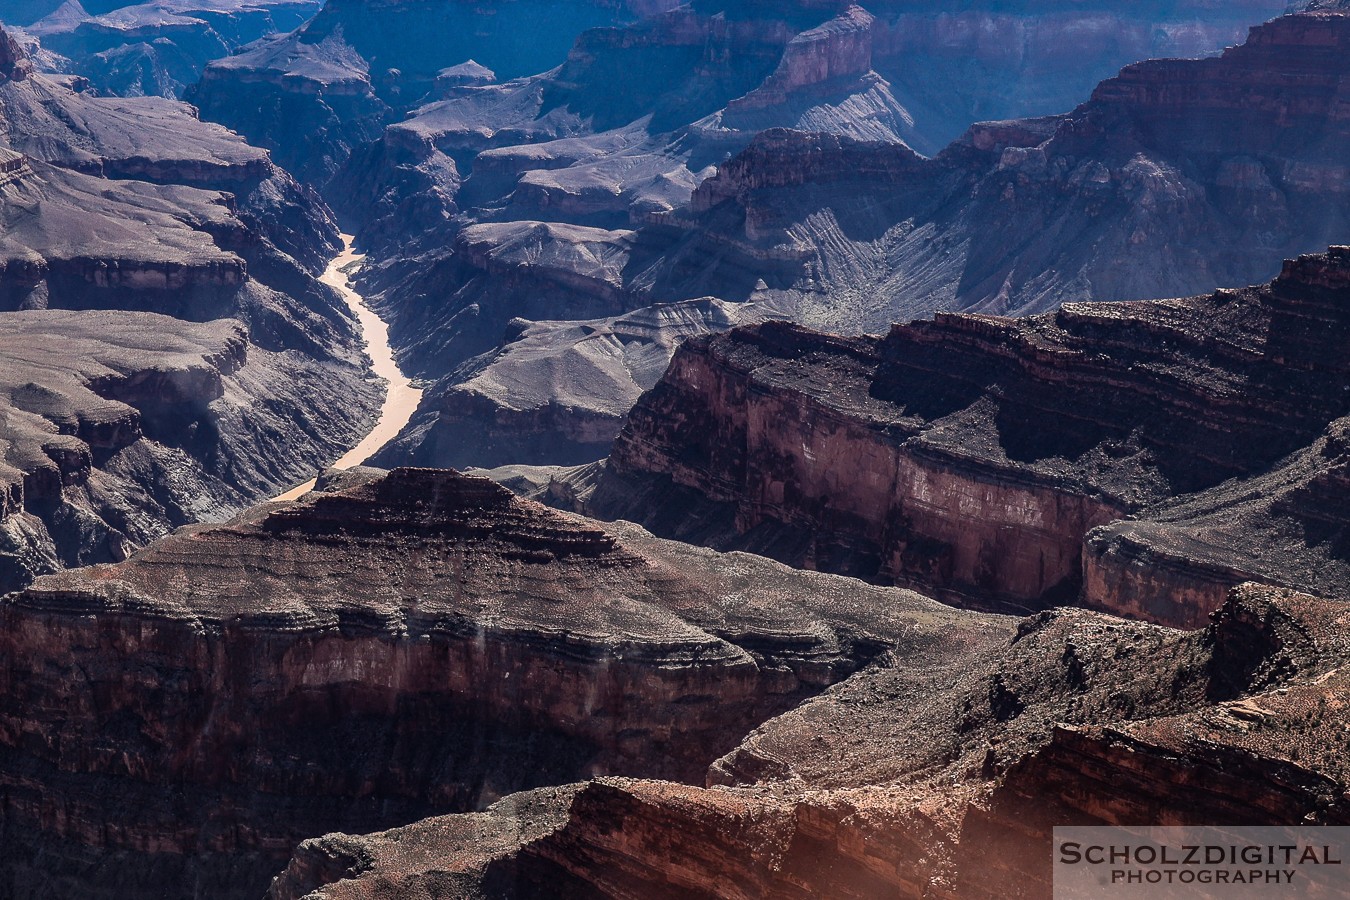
{"points": [[798, 188], [168, 355], [887, 432], [409, 643], [1140, 458], [937, 774], [158, 48]]}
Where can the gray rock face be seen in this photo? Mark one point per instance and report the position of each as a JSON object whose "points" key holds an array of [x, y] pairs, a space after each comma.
{"points": [[315, 95], [158, 48], [559, 392], [119, 426], [166, 359], [1176, 177]]}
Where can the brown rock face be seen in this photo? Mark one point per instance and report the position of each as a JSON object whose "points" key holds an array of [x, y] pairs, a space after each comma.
{"points": [[974, 455], [939, 774], [400, 646], [14, 63]]}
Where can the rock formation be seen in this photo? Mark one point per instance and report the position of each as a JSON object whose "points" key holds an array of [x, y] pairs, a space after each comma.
{"points": [[1175, 177], [1140, 457], [400, 645], [559, 392], [119, 426], [168, 354], [762, 153], [161, 47], [936, 775], [314, 95]]}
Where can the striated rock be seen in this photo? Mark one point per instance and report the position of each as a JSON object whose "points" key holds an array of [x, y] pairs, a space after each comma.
{"points": [[937, 775], [1176, 177], [974, 455], [759, 152], [559, 392], [113, 212], [408, 644], [153, 139], [313, 96], [119, 426]]}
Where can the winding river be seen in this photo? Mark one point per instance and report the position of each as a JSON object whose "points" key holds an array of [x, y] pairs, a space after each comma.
{"points": [[401, 399]]}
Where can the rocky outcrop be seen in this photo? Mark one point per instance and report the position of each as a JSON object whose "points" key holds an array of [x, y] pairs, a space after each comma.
{"points": [[158, 140], [409, 643], [938, 775], [159, 48], [975, 455], [760, 153], [209, 366], [315, 95], [1152, 188]]}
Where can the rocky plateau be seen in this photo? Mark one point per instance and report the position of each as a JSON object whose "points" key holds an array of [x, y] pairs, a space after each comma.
{"points": [[156, 48], [404, 644], [888, 432]]}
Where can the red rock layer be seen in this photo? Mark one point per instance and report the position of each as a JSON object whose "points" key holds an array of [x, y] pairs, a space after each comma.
{"points": [[397, 647], [973, 455], [952, 797]]}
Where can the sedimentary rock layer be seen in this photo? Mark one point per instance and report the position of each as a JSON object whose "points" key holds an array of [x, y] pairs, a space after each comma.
{"points": [[764, 153], [119, 426], [560, 392], [1176, 176], [935, 775], [401, 645], [316, 94], [160, 47], [975, 454]]}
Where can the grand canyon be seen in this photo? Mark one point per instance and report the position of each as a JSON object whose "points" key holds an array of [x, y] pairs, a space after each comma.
{"points": [[658, 449]]}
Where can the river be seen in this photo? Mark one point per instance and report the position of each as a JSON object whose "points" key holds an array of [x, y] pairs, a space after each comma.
{"points": [[402, 397]]}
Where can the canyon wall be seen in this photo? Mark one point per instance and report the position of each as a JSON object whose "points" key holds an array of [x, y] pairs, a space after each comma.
{"points": [[168, 355], [864, 792], [975, 456], [408, 643]]}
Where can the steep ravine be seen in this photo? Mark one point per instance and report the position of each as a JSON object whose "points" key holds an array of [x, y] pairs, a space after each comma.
{"points": [[402, 396]]}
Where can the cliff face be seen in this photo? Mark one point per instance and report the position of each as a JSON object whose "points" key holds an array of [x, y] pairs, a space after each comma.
{"points": [[120, 426], [1150, 189], [939, 774], [409, 644], [560, 392], [975, 455], [315, 95]]}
